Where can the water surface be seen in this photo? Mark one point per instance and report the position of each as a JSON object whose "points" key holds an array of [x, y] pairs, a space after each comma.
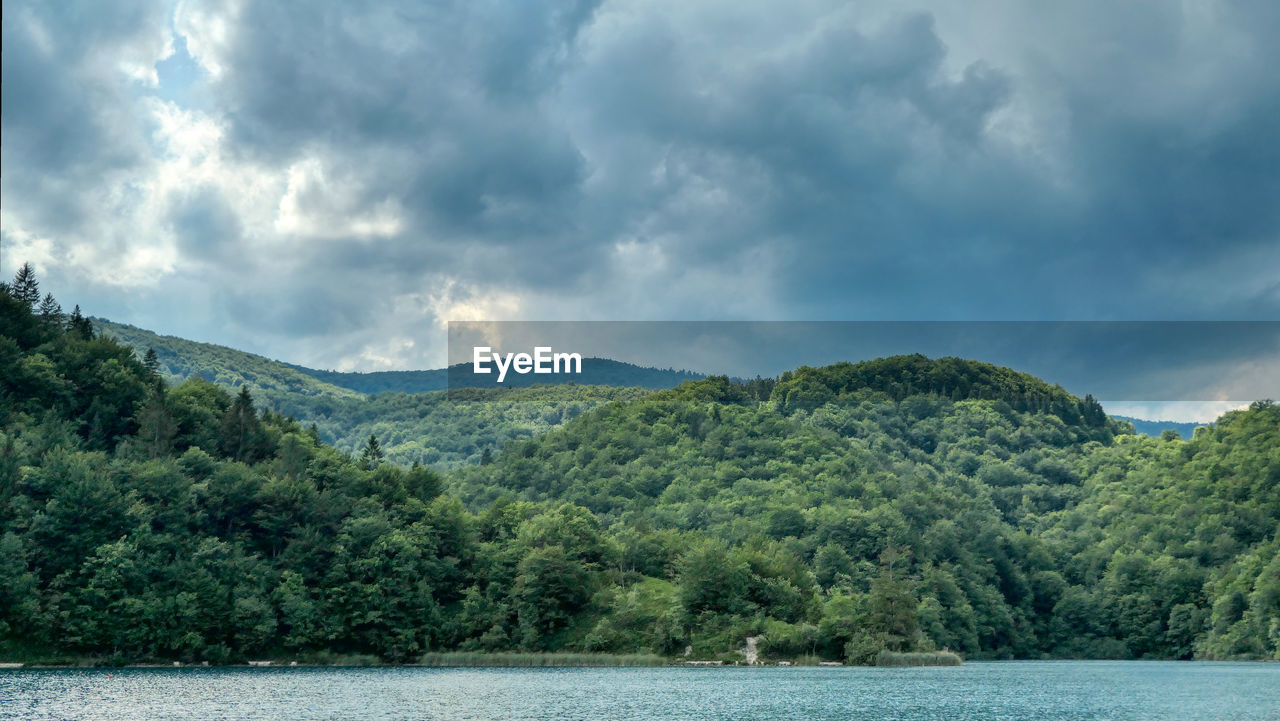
{"points": [[1005, 691]]}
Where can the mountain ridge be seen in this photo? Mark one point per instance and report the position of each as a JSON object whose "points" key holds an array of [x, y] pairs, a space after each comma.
{"points": [[181, 358]]}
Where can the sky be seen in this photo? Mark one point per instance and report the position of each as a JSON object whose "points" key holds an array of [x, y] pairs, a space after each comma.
{"points": [[329, 183]]}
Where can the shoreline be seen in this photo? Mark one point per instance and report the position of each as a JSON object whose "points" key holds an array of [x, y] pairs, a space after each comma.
{"points": [[666, 663]]}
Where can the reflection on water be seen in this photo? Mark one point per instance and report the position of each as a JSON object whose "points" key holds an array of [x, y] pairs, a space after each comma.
{"points": [[1067, 690]]}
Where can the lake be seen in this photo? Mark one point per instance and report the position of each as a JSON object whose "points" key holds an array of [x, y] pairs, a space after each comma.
{"points": [[1001, 691]]}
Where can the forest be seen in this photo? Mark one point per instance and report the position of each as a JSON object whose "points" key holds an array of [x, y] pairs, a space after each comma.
{"points": [[413, 418], [900, 505]]}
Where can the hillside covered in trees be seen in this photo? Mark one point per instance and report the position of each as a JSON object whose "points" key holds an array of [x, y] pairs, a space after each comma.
{"points": [[595, 371], [181, 359], [407, 411], [901, 505]]}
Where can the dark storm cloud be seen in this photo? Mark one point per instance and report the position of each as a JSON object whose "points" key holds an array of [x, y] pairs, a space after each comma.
{"points": [[454, 93], [377, 169], [1136, 360], [851, 152], [67, 121], [207, 227]]}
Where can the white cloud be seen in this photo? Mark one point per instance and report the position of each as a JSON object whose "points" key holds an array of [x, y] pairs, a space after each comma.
{"points": [[321, 204], [207, 26], [1175, 411]]}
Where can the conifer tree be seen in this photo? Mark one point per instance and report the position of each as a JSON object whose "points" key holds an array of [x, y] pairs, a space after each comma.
{"points": [[150, 361], [372, 456], [25, 287], [79, 325], [242, 437], [49, 308]]}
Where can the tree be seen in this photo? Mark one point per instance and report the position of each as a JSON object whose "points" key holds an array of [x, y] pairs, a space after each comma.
{"points": [[156, 426], [714, 579], [550, 587], [242, 437], [50, 309], [1092, 413], [893, 611], [150, 361], [19, 593], [371, 457], [786, 522], [79, 325], [25, 288], [830, 563]]}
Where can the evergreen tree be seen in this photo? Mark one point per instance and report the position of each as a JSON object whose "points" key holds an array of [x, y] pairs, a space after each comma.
{"points": [[1092, 413], [372, 455], [242, 437], [50, 309], [79, 325], [25, 287], [151, 362]]}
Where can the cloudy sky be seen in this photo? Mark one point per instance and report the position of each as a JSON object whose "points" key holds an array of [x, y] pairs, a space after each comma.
{"points": [[328, 183]]}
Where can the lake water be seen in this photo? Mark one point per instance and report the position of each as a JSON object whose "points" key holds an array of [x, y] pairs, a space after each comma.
{"points": [[1031, 690]]}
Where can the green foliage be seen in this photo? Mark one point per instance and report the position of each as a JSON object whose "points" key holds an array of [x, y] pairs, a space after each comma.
{"points": [[538, 660], [178, 359], [415, 420], [870, 513], [926, 658]]}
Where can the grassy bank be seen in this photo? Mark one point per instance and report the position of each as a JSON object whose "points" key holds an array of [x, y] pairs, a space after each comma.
{"points": [[466, 658], [935, 658]]}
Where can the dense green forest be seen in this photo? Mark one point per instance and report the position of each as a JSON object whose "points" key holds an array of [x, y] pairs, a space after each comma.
{"points": [[900, 505], [447, 429]]}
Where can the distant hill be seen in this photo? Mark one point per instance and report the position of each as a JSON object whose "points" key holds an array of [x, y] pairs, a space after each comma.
{"points": [[408, 411], [1155, 428], [181, 359], [595, 372]]}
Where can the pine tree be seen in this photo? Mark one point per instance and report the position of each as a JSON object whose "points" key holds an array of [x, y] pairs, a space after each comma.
{"points": [[80, 325], [151, 362], [372, 455], [25, 287], [50, 309], [1092, 412], [486, 458], [242, 437]]}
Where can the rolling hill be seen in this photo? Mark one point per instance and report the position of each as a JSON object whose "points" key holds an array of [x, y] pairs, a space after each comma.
{"points": [[595, 372], [182, 359], [851, 512], [413, 419]]}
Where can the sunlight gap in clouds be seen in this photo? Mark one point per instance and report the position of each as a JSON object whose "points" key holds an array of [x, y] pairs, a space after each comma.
{"points": [[317, 205]]}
